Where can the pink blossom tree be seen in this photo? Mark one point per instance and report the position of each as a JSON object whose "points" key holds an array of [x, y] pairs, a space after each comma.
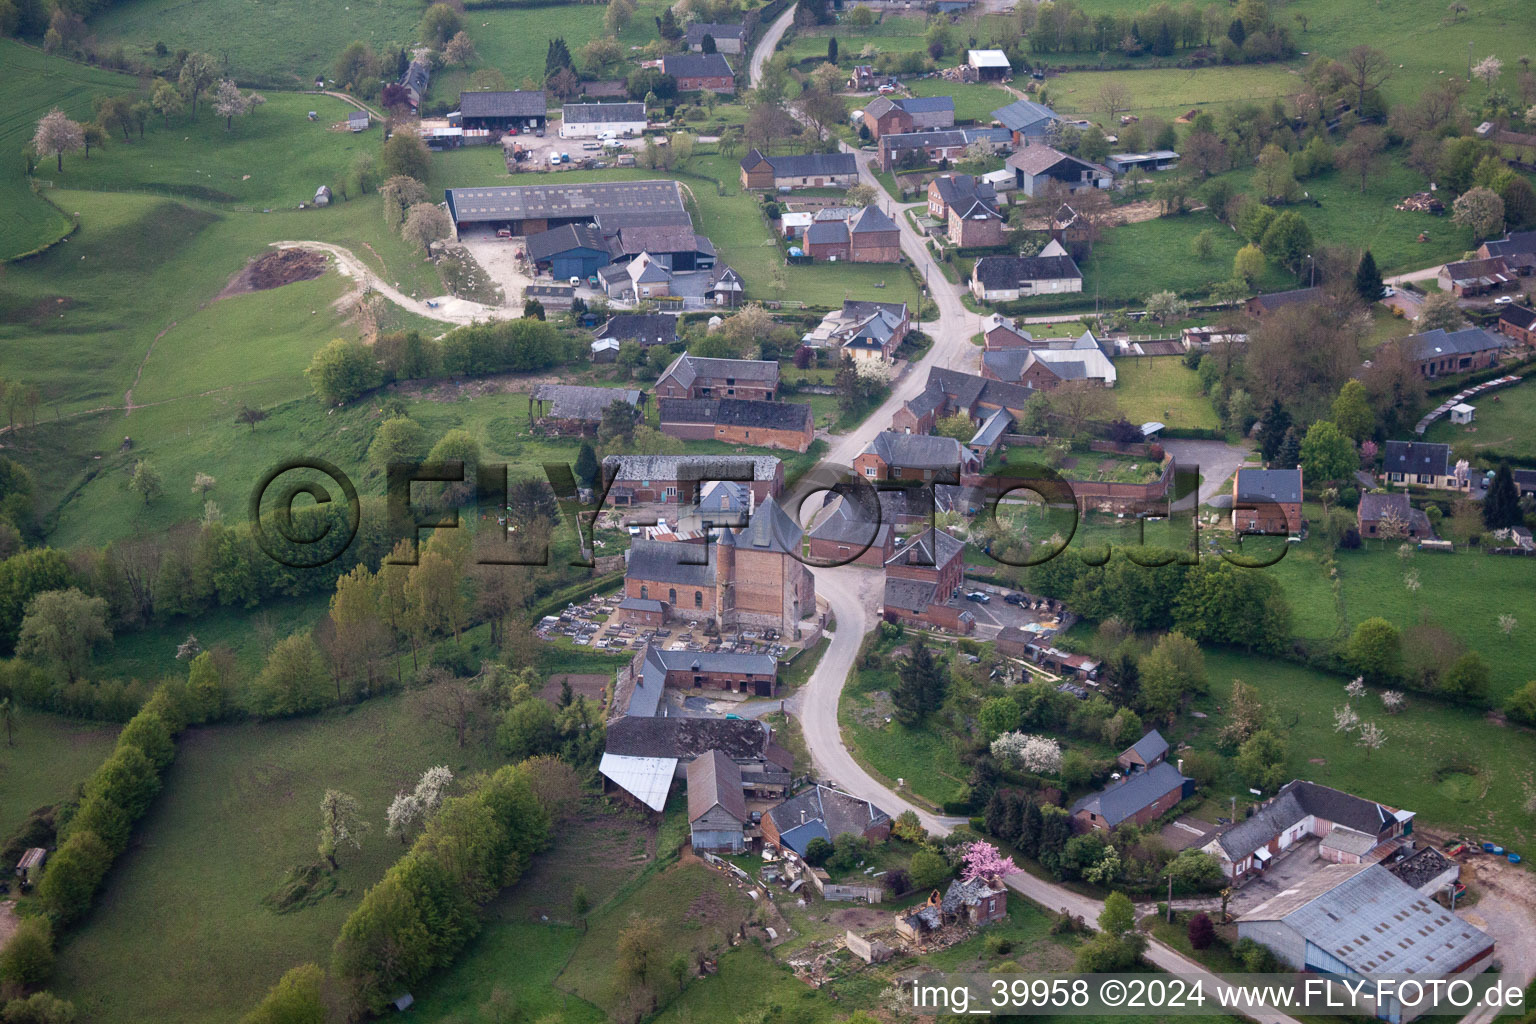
{"points": [[982, 860]]}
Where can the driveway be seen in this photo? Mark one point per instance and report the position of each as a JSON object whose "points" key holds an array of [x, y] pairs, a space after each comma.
{"points": [[1216, 460]]}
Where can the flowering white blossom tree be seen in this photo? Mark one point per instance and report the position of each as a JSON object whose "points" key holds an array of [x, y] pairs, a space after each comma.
{"points": [[982, 860], [1038, 754], [341, 824], [401, 818], [1393, 701], [1507, 623], [1355, 687], [1345, 719], [432, 786], [1371, 737]]}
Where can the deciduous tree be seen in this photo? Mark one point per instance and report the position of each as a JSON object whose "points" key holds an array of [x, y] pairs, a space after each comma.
{"points": [[62, 629], [341, 824], [56, 135], [198, 72]]}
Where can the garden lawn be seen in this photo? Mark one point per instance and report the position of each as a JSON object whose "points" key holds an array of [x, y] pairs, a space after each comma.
{"points": [[1161, 388], [1506, 427], [1455, 767], [48, 757], [1135, 260], [36, 85], [973, 101], [1463, 592], [920, 757], [180, 933]]}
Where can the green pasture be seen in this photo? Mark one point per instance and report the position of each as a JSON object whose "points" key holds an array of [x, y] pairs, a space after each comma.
{"points": [[1161, 388], [1505, 424], [1172, 92], [180, 933], [973, 101], [1457, 768], [45, 759]]}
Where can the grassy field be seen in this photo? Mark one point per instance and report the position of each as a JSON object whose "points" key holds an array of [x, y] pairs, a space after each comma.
{"points": [[973, 102], [1172, 92], [49, 757], [1134, 260], [181, 933], [1454, 767], [1162, 389], [38, 84], [1507, 425]]}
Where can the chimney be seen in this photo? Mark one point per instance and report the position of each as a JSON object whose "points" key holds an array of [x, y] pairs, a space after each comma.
{"points": [[1181, 766]]}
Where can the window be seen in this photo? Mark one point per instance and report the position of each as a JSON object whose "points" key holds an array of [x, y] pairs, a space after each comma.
{"points": [[645, 592], [672, 595], [869, 470], [698, 599]]}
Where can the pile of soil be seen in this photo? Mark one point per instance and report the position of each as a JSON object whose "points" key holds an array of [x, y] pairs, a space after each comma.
{"points": [[275, 270]]}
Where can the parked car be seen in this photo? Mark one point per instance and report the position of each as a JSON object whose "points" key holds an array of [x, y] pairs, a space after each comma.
{"points": [[1503, 300], [503, 232], [978, 597], [1014, 598]]}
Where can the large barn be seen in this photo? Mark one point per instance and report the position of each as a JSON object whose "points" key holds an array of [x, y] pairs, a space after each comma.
{"points": [[531, 209]]}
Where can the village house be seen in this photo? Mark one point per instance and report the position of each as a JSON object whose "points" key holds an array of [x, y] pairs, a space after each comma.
{"points": [[717, 805], [644, 329], [728, 38], [863, 329], [1391, 516], [951, 391], [1424, 463], [643, 756], [490, 114], [868, 235], [589, 120], [1517, 249], [804, 170], [1366, 831], [697, 71], [851, 532], [1359, 923], [699, 377], [751, 577], [821, 812], [567, 409], [1025, 120], [788, 425], [1468, 278], [673, 479], [935, 145], [639, 687], [923, 580], [1048, 366], [1518, 324], [925, 457], [969, 210], [1001, 332], [976, 903], [1140, 798], [1145, 753], [1261, 304], [1010, 278], [1036, 166], [885, 115], [1267, 501], [1441, 352]]}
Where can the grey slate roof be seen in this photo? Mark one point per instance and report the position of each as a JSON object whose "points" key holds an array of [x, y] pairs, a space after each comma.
{"points": [[1295, 801], [689, 368], [918, 451], [1518, 316], [770, 529], [1003, 272], [1135, 792], [838, 812], [933, 548], [599, 113], [849, 523], [1439, 342], [910, 595], [1150, 747], [577, 402], [634, 239], [992, 429], [967, 894], [964, 193], [699, 29], [870, 219], [826, 232], [715, 780], [627, 468], [1416, 457], [967, 390], [1373, 507], [739, 412], [1374, 922], [926, 104], [660, 561], [1025, 116], [1282, 485], [696, 65], [645, 328], [687, 738], [522, 103], [612, 204], [805, 165], [548, 244]]}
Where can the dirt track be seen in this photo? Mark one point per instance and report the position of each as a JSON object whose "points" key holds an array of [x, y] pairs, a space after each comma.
{"points": [[446, 308]]}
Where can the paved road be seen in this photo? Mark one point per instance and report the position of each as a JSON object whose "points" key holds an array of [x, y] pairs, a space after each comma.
{"points": [[1217, 461], [769, 43]]}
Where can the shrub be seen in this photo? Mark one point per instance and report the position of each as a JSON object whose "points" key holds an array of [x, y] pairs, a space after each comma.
{"points": [[1201, 931], [1256, 958], [898, 881], [928, 869], [999, 945], [73, 875], [817, 852], [27, 959]]}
